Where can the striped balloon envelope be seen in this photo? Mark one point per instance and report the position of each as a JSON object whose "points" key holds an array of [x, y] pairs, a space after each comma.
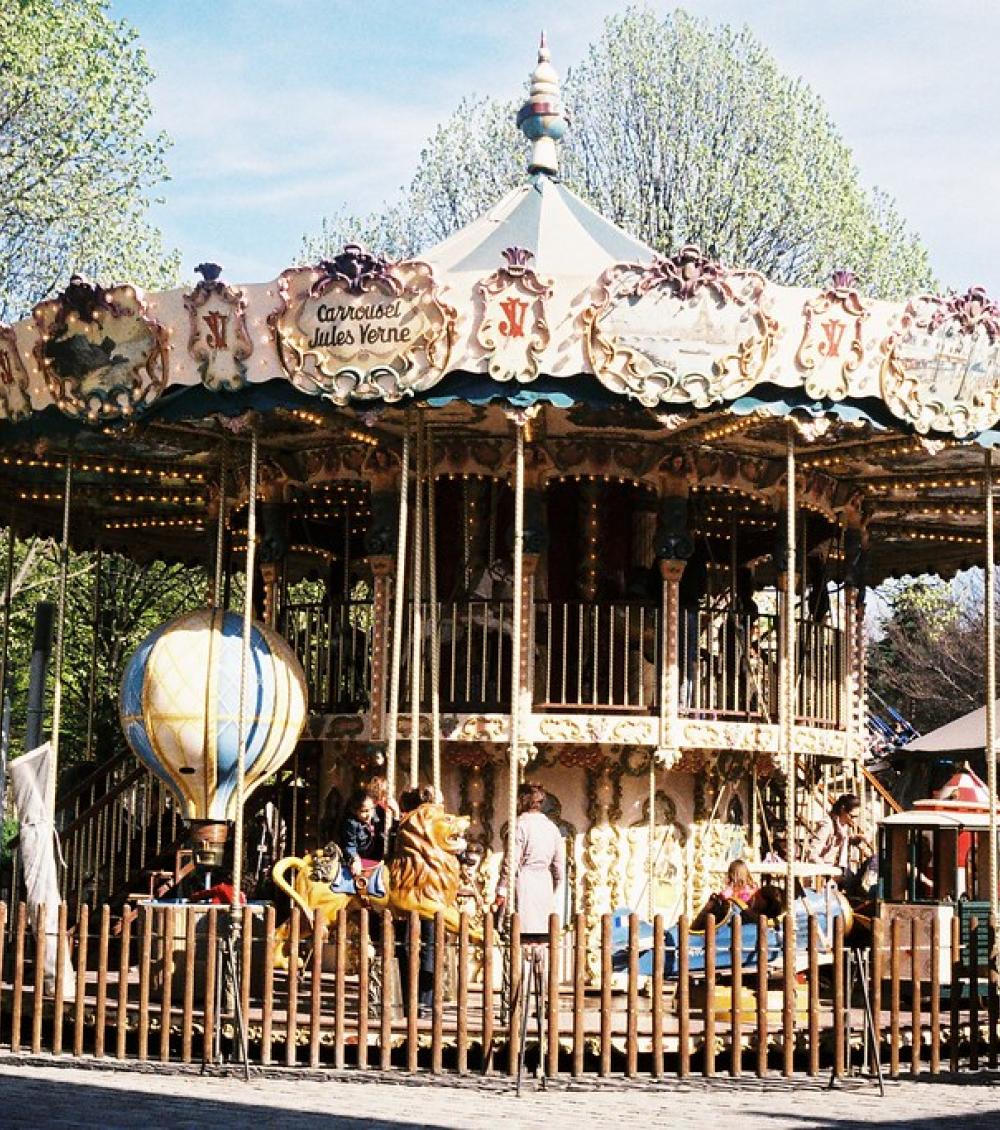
{"points": [[180, 708]]}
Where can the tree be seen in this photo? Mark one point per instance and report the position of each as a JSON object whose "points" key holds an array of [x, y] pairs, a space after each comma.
{"points": [[682, 133], [76, 163], [928, 658]]}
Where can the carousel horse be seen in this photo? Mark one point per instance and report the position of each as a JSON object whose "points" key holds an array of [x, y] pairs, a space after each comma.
{"points": [[421, 874]]}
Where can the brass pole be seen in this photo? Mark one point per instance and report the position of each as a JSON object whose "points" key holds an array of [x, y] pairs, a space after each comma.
{"points": [[788, 673], [417, 620], [435, 642], [991, 694], [220, 533], [60, 633], [515, 678], [251, 558], [399, 612]]}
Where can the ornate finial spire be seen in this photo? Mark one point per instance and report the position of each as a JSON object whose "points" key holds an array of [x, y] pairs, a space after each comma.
{"points": [[542, 119]]}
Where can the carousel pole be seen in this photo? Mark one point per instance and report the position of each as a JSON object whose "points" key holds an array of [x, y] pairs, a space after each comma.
{"points": [[60, 633], [8, 592], [991, 720], [434, 625], [788, 673], [399, 612], [417, 630], [251, 558], [95, 622], [220, 533], [515, 678]]}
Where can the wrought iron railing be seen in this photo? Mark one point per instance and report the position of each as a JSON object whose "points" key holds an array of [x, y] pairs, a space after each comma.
{"points": [[333, 644]]}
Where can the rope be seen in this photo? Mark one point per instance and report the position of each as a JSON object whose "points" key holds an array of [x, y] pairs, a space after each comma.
{"points": [[417, 631], [60, 633], [244, 670]]}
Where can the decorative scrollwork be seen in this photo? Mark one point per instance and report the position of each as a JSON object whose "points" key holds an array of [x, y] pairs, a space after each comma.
{"points": [[218, 338], [832, 347], [513, 329], [15, 402], [683, 330]]}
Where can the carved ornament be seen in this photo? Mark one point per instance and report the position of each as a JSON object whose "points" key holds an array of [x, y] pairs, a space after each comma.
{"points": [[218, 338], [15, 402], [512, 327], [832, 347]]}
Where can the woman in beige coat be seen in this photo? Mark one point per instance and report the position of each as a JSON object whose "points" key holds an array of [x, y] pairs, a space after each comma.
{"points": [[540, 864]]}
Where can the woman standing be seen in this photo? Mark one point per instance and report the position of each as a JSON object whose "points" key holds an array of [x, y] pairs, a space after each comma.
{"points": [[540, 864]]}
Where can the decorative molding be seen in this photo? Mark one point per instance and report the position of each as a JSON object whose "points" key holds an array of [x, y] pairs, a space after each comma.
{"points": [[832, 349], [357, 327], [218, 338], [513, 328], [103, 356], [15, 399], [683, 330]]}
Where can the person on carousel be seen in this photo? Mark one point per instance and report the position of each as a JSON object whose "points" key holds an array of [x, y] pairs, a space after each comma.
{"points": [[363, 835], [740, 887], [835, 839]]}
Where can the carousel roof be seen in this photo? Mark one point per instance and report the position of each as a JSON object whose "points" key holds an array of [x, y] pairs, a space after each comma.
{"points": [[541, 302]]}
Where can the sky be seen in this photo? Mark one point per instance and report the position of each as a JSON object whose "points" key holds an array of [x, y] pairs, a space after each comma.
{"points": [[283, 111]]}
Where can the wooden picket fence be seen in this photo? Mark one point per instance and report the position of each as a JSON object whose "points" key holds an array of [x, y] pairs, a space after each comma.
{"points": [[153, 985]]}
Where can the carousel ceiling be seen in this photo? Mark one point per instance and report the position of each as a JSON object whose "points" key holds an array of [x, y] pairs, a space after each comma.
{"points": [[622, 357]]}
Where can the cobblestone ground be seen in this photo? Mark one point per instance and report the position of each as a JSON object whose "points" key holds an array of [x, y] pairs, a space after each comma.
{"points": [[35, 1093]]}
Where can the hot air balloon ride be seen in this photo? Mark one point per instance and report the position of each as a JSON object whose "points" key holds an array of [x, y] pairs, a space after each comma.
{"points": [[180, 711]]}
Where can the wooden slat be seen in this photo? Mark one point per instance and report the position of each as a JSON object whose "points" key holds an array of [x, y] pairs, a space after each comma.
{"points": [[656, 1062], [187, 1015], [787, 997], [145, 958], [579, 977], [3, 956], [212, 972], [894, 987], [935, 995], [606, 974], [762, 928], [813, 1004], [79, 1001], [412, 988], [462, 998], [267, 991], [708, 1053], [385, 1021], [167, 926], [340, 991], [364, 976], [878, 974], [839, 1028], [956, 993], [59, 999], [518, 991], [683, 999], [17, 1001], [632, 1008], [246, 960], [552, 999], [735, 1004], [437, 1010], [38, 990], [316, 989], [915, 1018], [121, 1015], [974, 952], [292, 1009], [101, 1017]]}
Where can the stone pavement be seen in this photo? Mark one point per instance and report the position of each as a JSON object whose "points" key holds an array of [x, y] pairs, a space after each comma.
{"points": [[34, 1093]]}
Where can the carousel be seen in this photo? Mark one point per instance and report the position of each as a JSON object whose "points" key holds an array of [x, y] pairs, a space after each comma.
{"points": [[537, 502]]}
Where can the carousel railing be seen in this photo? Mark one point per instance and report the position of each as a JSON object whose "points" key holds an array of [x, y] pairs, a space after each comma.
{"points": [[596, 656], [822, 668], [145, 986], [475, 656], [333, 643], [728, 664]]}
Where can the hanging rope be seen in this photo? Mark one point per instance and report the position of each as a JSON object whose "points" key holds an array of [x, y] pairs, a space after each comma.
{"points": [[245, 668], [60, 631], [399, 612], [435, 627]]}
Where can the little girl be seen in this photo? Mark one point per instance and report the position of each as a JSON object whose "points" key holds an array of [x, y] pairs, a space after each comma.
{"points": [[740, 886]]}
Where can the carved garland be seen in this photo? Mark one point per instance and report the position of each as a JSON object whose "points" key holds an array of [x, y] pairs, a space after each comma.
{"points": [[693, 346]]}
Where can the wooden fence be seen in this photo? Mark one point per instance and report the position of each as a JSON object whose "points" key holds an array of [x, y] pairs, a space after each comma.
{"points": [[155, 985]]}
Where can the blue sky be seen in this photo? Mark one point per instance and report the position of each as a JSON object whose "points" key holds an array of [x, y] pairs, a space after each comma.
{"points": [[283, 111]]}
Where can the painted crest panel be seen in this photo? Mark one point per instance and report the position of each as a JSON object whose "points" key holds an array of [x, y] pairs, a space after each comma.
{"points": [[684, 330], [941, 367], [102, 356], [357, 327], [218, 339], [832, 346], [15, 402], [513, 330]]}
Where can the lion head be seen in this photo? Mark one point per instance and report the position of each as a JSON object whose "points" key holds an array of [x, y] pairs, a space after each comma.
{"points": [[424, 868]]}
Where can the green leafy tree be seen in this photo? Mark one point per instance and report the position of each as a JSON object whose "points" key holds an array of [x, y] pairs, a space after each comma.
{"points": [[76, 162], [682, 132]]}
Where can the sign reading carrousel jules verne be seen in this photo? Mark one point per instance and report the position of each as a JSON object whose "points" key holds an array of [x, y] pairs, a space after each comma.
{"points": [[358, 327]]}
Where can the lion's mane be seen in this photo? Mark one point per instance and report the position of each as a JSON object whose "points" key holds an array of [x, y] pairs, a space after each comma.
{"points": [[421, 860]]}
